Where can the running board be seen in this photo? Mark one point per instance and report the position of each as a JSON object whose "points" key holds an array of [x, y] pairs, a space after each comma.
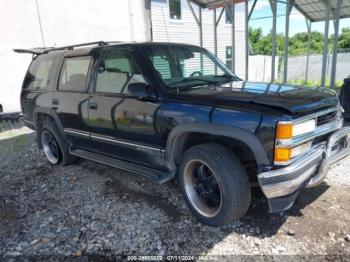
{"points": [[153, 174]]}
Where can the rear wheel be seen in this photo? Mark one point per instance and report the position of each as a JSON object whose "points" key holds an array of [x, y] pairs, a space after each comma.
{"points": [[55, 147], [215, 184], [50, 147]]}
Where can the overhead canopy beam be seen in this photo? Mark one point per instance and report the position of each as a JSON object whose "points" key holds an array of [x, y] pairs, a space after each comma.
{"points": [[252, 9]]}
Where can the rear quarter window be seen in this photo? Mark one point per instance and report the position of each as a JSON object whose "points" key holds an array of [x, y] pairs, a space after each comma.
{"points": [[74, 73], [39, 75]]}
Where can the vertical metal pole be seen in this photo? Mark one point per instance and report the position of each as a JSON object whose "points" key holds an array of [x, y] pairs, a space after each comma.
{"points": [[308, 24], [215, 36], [215, 33], [246, 41], [200, 26], [325, 45], [200, 34], [233, 53], [273, 57], [335, 44], [286, 41]]}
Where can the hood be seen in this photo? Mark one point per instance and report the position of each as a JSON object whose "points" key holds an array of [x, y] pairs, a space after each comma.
{"points": [[289, 98]]}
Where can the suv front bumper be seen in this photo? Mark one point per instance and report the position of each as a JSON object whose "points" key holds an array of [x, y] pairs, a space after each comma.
{"points": [[282, 186]]}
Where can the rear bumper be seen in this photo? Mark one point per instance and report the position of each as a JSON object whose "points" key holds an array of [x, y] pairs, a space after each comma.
{"points": [[282, 186]]}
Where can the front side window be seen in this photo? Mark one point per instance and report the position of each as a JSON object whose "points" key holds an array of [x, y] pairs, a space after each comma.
{"points": [[38, 75], [74, 73], [175, 9], [186, 66], [116, 71]]}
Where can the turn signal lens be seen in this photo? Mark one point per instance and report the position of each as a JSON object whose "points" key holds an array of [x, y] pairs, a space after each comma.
{"points": [[284, 131], [282, 154]]}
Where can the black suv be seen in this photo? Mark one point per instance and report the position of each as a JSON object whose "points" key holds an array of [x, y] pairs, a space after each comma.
{"points": [[164, 110]]}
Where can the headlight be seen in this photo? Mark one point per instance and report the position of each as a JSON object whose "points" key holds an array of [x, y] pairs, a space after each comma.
{"points": [[288, 131]]}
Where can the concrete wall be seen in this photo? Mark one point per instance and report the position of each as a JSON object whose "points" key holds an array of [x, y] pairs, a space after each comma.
{"points": [[61, 22], [186, 30], [260, 68], [297, 67]]}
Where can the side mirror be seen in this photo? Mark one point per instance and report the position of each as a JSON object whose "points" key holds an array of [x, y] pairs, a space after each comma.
{"points": [[141, 91]]}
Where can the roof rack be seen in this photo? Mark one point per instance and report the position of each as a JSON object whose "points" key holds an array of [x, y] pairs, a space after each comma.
{"points": [[44, 50]]}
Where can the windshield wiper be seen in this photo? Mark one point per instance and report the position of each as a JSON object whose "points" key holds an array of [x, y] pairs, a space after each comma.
{"points": [[190, 79], [231, 77]]}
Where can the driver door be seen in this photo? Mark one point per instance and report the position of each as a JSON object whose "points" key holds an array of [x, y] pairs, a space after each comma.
{"points": [[123, 126]]}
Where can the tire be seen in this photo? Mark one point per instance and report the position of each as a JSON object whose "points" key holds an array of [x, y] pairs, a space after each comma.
{"points": [[48, 129], [226, 175]]}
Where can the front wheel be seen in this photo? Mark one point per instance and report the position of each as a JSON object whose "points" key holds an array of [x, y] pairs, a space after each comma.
{"points": [[215, 184]]}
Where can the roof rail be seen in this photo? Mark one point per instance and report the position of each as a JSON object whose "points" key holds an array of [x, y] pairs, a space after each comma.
{"points": [[43, 50]]}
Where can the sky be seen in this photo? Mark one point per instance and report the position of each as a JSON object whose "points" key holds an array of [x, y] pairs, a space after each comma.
{"points": [[297, 20]]}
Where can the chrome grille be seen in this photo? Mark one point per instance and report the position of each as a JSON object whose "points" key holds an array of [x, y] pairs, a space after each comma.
{"points": [[326, 118]]}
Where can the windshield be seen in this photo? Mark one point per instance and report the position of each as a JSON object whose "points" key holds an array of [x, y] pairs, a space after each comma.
{"points": [[187, 67]]}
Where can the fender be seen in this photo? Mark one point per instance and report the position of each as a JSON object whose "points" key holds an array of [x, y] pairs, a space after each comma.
{"points": [[244, 136], [52, 113]]}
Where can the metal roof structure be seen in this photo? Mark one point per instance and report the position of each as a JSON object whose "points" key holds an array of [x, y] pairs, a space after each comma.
{"points": [[316, 10], [215, 3]]}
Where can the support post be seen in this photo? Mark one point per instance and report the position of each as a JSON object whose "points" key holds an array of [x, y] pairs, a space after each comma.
{"points": [[335, 44], [289, 6], [246, 41], [325, 46], [233, 44], [215, 33], [215, 36], [200, 26], [273, 4], [308, 24]]}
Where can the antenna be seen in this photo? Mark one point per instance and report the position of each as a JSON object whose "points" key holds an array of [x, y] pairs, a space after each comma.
{"points": [[166, 29]]}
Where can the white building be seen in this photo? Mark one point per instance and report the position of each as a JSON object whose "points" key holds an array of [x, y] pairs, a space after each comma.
{"points": [[36, 23], [172, 21]]}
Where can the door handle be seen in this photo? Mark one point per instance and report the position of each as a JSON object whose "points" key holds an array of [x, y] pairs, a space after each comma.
{"points": [[93, 106], [55, 101]]}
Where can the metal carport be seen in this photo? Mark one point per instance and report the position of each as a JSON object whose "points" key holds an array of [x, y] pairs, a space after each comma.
{"points": [[313, 11]]}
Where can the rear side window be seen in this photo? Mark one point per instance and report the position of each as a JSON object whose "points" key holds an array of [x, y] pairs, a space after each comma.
{"points": [[74, 74], [39, 72]]}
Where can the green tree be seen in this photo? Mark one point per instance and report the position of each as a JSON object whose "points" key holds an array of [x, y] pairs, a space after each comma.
{"points": [[344, 38]]}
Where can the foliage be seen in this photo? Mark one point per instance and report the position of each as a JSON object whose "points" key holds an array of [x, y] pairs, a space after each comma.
{"points": [[262, 44]]}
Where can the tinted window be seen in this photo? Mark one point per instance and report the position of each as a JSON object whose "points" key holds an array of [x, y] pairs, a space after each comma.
{"points": [[38, 75], [116, 71], [74, 73], [175, 9]]}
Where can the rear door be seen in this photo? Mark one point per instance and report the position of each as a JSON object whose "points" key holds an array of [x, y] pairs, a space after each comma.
{"points": [[123, 126], [38, 85], [71, 99]]}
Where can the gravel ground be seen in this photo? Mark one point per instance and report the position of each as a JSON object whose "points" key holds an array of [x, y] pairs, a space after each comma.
{"points": [[88, 209]]}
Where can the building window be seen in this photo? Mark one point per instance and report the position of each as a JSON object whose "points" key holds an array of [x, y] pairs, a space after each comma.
{"points": [[175, 9], [228, 15]]}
